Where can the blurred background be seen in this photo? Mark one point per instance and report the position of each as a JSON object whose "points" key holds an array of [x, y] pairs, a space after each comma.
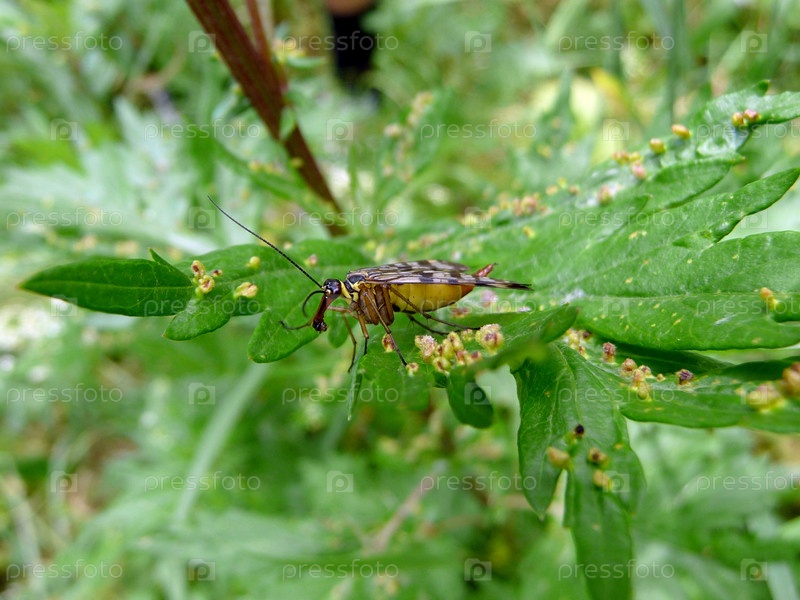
{"points": [[134, 466]]}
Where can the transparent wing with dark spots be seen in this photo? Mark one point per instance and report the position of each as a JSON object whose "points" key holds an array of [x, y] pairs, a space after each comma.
{"points": [[431, 271]]}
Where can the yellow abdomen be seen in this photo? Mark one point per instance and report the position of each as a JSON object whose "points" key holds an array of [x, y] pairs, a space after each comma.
{"points": [[416, 297]]}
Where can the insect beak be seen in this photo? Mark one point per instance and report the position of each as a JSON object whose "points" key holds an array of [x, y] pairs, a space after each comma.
{"points": [[318, 322], [331, 291]]}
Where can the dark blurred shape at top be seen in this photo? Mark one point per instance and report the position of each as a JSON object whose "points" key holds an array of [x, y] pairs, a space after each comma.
{"points": [[354, 46]]}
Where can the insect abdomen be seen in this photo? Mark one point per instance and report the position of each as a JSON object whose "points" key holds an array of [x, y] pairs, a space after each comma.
{"points": [[416, 297]]}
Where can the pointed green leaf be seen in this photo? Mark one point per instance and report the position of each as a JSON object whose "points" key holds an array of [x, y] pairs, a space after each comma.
{"points": [[133, 287]]}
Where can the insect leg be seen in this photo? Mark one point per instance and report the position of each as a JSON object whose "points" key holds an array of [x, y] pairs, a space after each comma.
{"points": [[431, 329], [353, 339], [371, 300], [345, 312]]}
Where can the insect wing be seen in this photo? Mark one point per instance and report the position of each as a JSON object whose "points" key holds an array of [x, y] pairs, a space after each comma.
{"points": [[423, 271], [431, 272]]}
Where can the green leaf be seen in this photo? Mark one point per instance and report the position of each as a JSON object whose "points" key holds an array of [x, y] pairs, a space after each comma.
{"points": [[600, 526], [715, 395], [663, 281], [558, 393], [132, 287]]}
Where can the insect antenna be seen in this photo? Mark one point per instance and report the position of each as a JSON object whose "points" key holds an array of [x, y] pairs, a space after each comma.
{"points": [[305, 302], [271, 245]]}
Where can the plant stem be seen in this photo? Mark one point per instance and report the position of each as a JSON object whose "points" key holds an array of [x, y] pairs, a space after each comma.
{"points": [[262, 84]]}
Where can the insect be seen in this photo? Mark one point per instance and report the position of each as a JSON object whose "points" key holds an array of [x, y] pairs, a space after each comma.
{"points": [[375, 294]]}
